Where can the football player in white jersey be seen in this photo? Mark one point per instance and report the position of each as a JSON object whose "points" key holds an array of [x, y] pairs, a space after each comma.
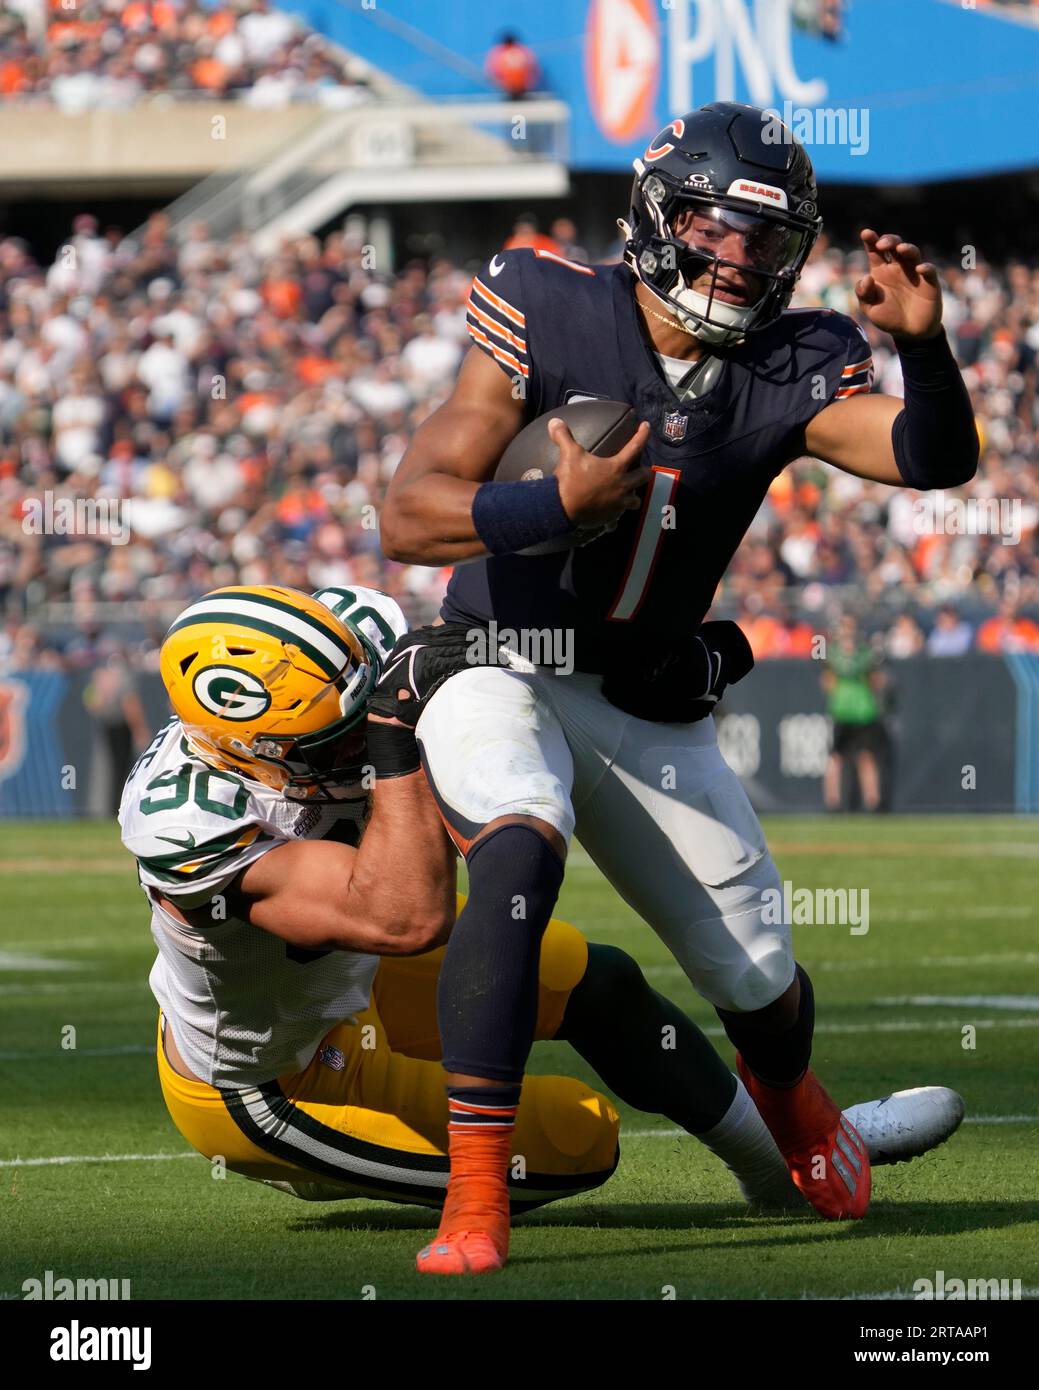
{"points": [[286, 840]]}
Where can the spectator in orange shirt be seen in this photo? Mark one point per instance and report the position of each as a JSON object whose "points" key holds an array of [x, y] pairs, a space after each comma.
{"points": [[765, 632], [209, 74], [525, 234], [512, 67], [802, 640], [1008, 631], [282, 292], [13, 78]]}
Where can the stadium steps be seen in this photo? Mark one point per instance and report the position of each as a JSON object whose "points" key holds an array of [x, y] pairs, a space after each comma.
{"points": [[389, 151]]}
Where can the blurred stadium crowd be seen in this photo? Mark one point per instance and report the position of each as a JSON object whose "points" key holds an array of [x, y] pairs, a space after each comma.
{"points": [[246, 414], [88, 54]]}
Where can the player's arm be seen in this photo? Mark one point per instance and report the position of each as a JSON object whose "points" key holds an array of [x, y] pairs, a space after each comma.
{"points": [[393, 895], [928, 440], [427, 515], [442, 505]]}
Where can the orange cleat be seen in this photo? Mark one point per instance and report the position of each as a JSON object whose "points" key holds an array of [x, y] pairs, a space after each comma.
{"points": [[824, 1152], [462, 1252]]}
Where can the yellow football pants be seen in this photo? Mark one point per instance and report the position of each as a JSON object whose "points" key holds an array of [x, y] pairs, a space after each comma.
{"points": [[368, 1116]]}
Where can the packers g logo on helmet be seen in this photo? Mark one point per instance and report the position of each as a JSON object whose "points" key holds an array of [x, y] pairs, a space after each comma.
{"points": [[268, 682], [230, 692]]}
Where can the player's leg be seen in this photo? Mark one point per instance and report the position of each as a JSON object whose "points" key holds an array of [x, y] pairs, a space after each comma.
{"points": [[363, 1120], [498, 764], [668, 823], [655, 1058]]}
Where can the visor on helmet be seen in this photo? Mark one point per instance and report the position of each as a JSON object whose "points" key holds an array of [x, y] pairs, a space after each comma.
{"points": [[752, 246]]}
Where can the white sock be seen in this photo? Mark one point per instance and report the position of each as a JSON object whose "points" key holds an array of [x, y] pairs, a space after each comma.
{"points": [[743, 1143]]}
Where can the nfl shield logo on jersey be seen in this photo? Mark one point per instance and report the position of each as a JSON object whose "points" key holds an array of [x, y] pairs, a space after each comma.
{"points": [[674, 426], [331, 1057]]}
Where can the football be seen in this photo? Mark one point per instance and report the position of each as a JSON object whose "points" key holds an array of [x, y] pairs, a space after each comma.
{"points": [[601, 427]]}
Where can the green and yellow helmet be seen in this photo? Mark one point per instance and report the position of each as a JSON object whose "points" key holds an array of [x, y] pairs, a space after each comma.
{"points": [[272, 683]]}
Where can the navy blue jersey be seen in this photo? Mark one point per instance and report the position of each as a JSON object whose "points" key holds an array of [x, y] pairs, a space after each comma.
{"points": [[566, 332]]}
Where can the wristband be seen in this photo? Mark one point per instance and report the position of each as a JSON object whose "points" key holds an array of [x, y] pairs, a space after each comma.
{"points": [[512, 516], [392, 750]]}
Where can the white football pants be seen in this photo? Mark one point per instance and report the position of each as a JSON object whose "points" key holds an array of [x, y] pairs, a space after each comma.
{"points": [[655, 805]]}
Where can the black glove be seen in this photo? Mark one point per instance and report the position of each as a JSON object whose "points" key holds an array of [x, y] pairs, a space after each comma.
{"points": [[686, 682], [420, 662]]}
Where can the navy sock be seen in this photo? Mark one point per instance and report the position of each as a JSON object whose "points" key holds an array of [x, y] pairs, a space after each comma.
{"points": [[487, 995], [778, 1059]]}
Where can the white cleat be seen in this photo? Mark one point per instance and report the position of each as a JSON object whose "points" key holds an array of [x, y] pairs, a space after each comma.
{"points": [[906, 1124]]}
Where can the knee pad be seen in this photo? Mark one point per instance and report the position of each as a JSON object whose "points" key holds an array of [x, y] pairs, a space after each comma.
{"points": [[752, 962]]}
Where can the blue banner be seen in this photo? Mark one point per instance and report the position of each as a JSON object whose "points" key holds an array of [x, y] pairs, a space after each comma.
{"points": [[31, 771], [902, 91]]}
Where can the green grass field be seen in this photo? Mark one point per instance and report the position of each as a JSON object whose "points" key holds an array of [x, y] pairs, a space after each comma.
{"points": [[952, 912]]}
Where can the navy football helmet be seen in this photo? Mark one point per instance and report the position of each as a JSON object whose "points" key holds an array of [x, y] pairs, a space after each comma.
{"points": [[724, 212]]}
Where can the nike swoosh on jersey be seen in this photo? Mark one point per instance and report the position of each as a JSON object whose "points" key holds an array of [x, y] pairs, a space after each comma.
{"points": [[495, 266], [189, 843]]}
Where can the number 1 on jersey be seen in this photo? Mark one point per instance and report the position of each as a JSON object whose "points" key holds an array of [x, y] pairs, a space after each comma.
{"points": [[648, 539]]}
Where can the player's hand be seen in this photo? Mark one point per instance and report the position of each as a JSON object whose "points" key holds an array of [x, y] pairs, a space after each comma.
{"points": [[417, 667], [683, 683], [595, 490], [900, 293]]}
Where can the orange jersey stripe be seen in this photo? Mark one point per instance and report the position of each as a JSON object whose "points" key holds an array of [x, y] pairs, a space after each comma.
{"points": [[500, 304], [495, 327], [859, 367], [498, 352]]}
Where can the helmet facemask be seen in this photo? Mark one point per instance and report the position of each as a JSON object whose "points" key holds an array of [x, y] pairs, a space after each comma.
{"points": [[724, 267]]}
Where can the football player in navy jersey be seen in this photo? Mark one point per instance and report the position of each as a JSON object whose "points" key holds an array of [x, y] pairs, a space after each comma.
{"points": [[693, 330]]}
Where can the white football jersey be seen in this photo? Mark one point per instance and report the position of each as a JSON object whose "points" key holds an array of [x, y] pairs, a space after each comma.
{"points": [[244, 1005]]}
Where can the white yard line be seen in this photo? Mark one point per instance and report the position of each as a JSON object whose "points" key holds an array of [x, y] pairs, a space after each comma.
{"points": [[79, 987], [130, 1050], [64, 1160], [957, 1001], [930, 962], [905, 1294], [61, 1160], [968, 1120], [16, 960]]}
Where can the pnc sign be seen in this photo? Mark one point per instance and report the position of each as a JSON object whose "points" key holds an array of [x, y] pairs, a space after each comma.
{"points": [[738, 50]]}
